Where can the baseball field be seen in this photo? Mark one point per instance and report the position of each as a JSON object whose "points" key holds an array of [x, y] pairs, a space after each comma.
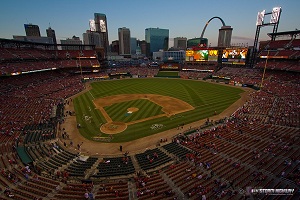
{"points": [[129, 109]]}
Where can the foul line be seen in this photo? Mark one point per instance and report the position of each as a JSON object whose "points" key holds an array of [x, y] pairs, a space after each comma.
{"points": [[91, 95]]}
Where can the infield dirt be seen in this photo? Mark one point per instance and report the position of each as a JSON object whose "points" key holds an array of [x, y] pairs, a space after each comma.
{"points": [[89, 147], [170, 106]]}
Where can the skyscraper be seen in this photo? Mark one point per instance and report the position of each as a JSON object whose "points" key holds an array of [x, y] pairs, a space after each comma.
{"points": [[144, 47], [115, 46], [92, 38], [32, 30], [157, 38], [133, 45], [225, 33], [51, 33], [124, 40], [180, 43], [101, 28]]}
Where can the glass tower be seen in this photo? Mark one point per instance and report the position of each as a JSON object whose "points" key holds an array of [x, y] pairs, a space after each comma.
{"points": [[157, 38], [101, 28]]}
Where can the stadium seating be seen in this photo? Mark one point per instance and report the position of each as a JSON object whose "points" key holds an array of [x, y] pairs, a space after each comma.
{"points": [[152, 158], [117, 166], [254, 146], [153, 187], [79, 167], [113, 190], [16, 60], [240, 75], [176, 150], [282, 55]]}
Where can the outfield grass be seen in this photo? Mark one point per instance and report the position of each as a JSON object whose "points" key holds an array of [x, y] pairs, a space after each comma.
{"points": [[205, 97]]}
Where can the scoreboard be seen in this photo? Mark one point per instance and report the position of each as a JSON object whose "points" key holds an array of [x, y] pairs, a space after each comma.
{"points": [[201, 55], [233, 55]]}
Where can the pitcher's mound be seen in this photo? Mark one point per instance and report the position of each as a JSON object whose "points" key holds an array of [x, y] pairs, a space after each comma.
{"points": [[113, 127], [132, 109]]}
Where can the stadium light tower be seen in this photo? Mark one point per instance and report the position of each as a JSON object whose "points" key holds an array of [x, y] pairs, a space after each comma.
{"points": [[274, 21]]}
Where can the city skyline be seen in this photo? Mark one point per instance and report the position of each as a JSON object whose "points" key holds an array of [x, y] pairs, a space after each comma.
{"points": [[183, 19]]}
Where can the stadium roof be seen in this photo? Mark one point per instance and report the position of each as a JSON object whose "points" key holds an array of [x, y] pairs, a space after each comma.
{"points": [[290, 33]]}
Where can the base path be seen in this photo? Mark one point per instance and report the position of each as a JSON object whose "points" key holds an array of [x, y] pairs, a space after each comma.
{"points": [[97, 148], [170, 106]]}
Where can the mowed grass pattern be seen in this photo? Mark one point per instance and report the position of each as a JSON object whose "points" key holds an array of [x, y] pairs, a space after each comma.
{"points": [[118, 111], [207, 98]]}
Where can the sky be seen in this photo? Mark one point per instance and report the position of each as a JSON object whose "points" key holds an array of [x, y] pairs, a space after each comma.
{"points": [[183, 18]]}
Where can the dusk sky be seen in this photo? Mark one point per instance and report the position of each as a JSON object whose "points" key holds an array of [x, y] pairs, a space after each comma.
{"points": [[182, 18]]}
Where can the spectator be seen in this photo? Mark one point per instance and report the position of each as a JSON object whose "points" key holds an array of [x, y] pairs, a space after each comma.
{"points": [[91, 196], [86, 194]]}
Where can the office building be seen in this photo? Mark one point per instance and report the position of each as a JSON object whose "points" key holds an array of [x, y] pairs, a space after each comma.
{"points": [[51, 33], [180, 43], [36, 39], [225, 33], [101, 28], [91, 38], [197, 42], [157, 38], [124, 40], [144, 47], [177, 56], [71, 43], [32, 30], [114, 47], [133, 46]]}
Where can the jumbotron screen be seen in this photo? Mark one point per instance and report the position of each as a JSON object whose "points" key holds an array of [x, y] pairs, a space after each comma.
{"points": [[201, 55], [234, 55]]}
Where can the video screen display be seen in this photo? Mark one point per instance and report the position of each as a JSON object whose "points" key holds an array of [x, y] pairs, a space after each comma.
{"points": [[201, 55], [234, 56], [213, 55]]}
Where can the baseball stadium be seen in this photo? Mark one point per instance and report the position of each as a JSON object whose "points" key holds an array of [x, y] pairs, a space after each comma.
{"points": [[223, 123]]}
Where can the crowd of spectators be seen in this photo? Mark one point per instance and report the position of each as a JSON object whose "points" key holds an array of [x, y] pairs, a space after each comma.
{"points": [[194, 74], [141, 71], [31, 98], [16, 61], [273, 112], [240, 75], [285, 65]]}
